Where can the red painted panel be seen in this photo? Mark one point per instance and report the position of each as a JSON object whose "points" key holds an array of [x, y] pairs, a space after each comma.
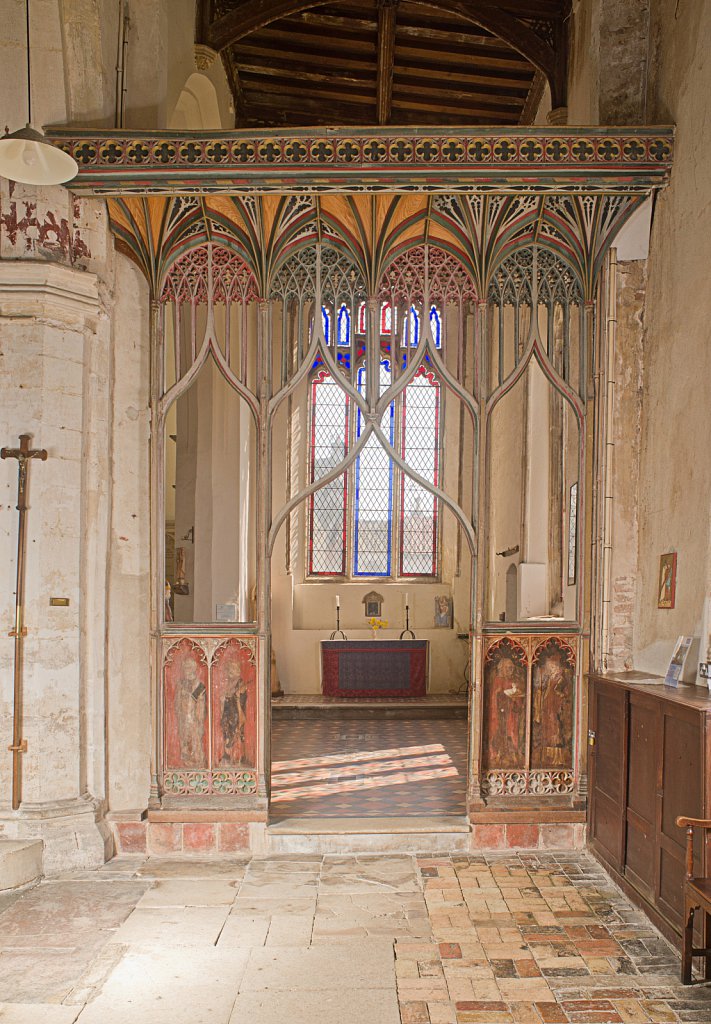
{"points": [[234, 707], [185, 707]]}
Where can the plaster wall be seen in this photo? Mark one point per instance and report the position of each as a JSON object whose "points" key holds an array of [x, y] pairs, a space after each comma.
{"points": [[74, 54], [627, 437], [675, 469], [663, 503]]}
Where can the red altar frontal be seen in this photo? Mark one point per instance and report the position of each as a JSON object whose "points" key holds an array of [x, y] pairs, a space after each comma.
{"points": [[374, 668]]}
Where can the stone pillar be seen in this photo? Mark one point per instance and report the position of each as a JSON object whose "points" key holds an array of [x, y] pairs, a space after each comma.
{"points": [[54, 385]]}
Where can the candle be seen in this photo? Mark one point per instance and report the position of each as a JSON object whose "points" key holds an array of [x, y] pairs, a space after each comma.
{"points": [[338, 601], [407, 599]]}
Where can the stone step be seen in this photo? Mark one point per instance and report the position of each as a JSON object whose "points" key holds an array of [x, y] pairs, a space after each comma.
{"points": [[369, 835], [20, 862]]}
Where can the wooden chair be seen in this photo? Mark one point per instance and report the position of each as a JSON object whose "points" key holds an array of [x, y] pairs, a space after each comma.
{"points": [[697, 896]]}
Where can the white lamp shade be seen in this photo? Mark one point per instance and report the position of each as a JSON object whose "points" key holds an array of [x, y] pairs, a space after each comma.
{"points": [[27, 157]]}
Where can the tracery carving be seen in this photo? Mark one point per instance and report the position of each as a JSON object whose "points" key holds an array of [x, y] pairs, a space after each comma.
{"points": [[209, 273], [556, 281], [341, 279], [448, 280]]}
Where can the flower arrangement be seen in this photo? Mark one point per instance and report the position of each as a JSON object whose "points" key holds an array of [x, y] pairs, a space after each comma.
{"points": [[376, 624]]}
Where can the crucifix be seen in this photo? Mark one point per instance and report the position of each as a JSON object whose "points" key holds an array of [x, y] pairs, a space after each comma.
{"points": [[23, 454]]}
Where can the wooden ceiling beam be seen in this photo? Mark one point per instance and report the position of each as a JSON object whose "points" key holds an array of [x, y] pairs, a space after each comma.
{"points": [[387, 19], [284, 36], [520, 36], [482, 58], [465, 105], [503, 19], [248, 16], [406, 117], [300, 102], [506, 85], [253, 52], [445, 90], [303, 72], [307, 90]]}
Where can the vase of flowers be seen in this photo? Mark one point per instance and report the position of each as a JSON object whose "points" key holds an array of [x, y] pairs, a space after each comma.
{"points": [[376, 624]]}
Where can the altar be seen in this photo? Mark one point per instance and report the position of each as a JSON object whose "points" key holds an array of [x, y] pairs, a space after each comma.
{"points": [[374, 668]]}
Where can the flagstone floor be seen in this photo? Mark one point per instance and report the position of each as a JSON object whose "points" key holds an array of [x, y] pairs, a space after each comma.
{"points": [[501, 939]]}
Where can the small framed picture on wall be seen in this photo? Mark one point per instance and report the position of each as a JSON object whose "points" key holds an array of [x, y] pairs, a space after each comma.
{"points": [[667, 580]]}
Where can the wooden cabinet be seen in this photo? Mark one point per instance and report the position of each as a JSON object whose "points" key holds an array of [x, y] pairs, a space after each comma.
{"points": [[649, 761]]}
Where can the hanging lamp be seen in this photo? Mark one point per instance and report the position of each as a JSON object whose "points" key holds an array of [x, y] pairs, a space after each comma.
{"points": [[25, 155]]}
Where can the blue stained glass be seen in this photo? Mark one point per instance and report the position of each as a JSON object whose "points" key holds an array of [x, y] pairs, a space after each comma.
{"points": [[326, 321], [328, 447], [344, 326], [412, 327], [420, 449], [436, 326], [372, 549]]}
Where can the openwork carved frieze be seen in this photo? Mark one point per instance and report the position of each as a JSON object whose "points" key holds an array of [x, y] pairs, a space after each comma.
{"points": [[499, 783], [528, 716], [209, 715]]}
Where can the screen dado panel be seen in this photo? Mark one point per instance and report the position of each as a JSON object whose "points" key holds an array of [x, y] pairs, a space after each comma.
{"points": [[528, 715], [209, 736]]}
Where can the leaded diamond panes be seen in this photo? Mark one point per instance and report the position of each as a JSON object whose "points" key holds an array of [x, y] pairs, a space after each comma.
{"points": [[377, 484], [420, 450], [372, 547], [328, 447]]}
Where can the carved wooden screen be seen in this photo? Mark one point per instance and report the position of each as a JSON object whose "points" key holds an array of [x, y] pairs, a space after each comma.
{"points": [[528, 734]]}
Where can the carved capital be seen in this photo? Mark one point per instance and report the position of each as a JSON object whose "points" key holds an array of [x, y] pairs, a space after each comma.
{"points": [[559, 115], [205, 56]]}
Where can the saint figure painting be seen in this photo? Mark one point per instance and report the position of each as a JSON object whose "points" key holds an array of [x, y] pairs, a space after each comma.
{"points": [[234, 726], [505, 685], [185, 708], [552, 716]]}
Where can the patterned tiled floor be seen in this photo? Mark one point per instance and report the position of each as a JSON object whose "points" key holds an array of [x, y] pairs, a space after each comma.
{"points": [[528, 939], [537, 940], [368, 767]]}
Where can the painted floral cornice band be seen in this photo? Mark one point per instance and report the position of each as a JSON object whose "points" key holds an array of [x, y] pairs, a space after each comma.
{"points": [[371, 160]]}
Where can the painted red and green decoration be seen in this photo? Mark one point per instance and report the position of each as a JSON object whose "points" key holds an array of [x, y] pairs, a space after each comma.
{"points": [[391, 511]]}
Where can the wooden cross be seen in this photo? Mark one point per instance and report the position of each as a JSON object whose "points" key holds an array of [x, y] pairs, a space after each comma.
{"points": [[23, 454]]}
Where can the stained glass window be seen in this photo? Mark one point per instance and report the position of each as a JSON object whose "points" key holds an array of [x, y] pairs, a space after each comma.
{"points": [[344, 326], [420, 449], [366, 524], [328, 447], [386, 318], [411, 334], [326, 321], [372, 546], [436, 325], [361, 318]]}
